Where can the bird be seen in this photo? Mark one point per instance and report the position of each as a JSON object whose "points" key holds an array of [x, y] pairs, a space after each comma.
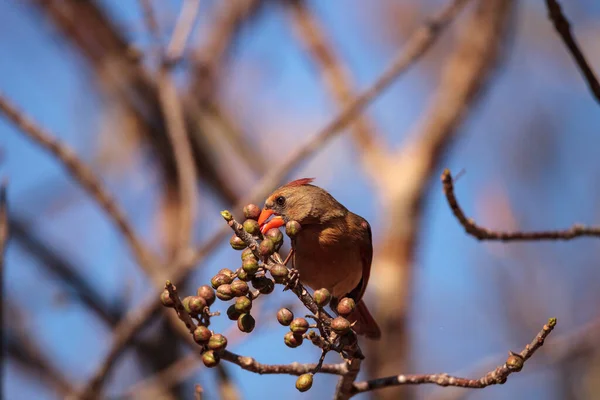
{"points": [[333, 249]]}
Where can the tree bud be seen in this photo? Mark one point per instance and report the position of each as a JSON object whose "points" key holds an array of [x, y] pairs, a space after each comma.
{"points": [[246, 323], [304, 382], [275, 235], [207, 293], [210, 359], [202, 334], [224, 292], [243, 305], [252, 211], [252, 227], [196, 305], [299, 326], [237, 243], [292, 229], [217, 342], [346, 306], [250, 265], [322, 297], [292, 340], [220, 279], [232, 313], [165, 299], [279, 272], [340, 325], [266, 248], [285, 316], [239, 288]]}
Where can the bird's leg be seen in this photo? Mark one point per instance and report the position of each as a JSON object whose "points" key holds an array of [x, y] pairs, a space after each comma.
{"points": [[289, 256], [293, 278]]}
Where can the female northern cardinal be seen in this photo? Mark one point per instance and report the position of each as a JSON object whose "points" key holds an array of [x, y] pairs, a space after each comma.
{"points": [[333, 249]]}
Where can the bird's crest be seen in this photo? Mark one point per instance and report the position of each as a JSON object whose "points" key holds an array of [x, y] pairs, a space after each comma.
{"points": [[300, 182]]}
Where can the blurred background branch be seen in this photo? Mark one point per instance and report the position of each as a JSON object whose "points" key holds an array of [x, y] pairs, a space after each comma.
{"points": [[210, 109]]}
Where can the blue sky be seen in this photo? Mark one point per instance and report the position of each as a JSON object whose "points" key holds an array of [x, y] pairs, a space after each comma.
{"points": [[533, 138]]}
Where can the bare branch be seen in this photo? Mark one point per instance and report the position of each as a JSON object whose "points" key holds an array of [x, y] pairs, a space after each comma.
{"points": [[249, 363], [514, 363], [183, 29], [84, 175], [482, 233], [563, 27], [335, 76]]}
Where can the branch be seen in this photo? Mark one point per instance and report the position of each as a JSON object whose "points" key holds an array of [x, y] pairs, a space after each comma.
{"points": [[514, 363], [249, 363], [482, 233], [174, 115], [84, 175], [335, 76], [563, 27], [183, 29]]}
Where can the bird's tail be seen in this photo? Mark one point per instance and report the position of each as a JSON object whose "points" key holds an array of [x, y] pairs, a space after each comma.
{"points": [[365, 323]]}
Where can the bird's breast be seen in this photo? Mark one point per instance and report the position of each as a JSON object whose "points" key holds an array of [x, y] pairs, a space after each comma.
{"points": [[327, 259]]}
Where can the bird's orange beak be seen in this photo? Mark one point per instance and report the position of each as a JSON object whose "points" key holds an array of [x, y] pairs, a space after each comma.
{"points": [[266, 224]]}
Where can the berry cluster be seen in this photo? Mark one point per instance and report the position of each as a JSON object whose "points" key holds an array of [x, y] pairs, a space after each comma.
{"points": [[261, 269]]}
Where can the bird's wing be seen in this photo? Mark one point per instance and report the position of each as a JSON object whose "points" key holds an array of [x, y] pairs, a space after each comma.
{"points": [[366, 257]]}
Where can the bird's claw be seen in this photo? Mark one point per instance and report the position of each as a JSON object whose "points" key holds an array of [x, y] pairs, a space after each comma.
{"points": [[293, 279]]}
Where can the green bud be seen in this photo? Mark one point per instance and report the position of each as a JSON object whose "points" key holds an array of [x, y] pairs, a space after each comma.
{"points": [[304, 382], [266, 248], [285, 316], [224, 292], [322, 297], [340, 325], [246, 323], [217, 342], [292, 228], [274, 235], [346, 306], [268, 288], [186, 304], [196, 305], [226, 272], [247, 253], [239, 288], [220, 279], [250, 265], [202, 334], [243, 275], [292, 340], [252, 227], [165, 299], [237, 243], [210, 358], [299, 326], [243, 304], [207, 293], [226, 215], [232, 313], [279, 272], [252, 211]]}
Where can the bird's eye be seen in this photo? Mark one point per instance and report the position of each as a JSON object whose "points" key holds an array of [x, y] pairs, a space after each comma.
{"points": [[280, 200]]}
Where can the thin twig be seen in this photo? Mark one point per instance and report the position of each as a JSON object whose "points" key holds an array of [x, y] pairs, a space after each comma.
{"points": [[84, 175], [174, 117], [3, 228], [482, 233], [514, 363], [183, 29], [335, 76], [563, 27], [249, 363]]}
